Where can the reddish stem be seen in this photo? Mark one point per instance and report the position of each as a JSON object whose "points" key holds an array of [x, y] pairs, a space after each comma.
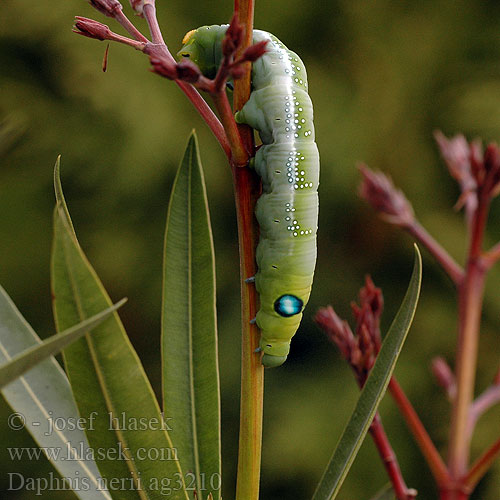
{"points": [[483, 403], [491, 256], [149, 13], [191, 93], [429, 451], [469, 316], [481, 465], [455, 272], [207, 114], [133, 31], [247, 190], [239, 156], [390, 461]]}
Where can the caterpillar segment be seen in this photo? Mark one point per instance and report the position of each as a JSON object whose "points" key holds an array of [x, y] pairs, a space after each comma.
{"points": [[281, 111]]}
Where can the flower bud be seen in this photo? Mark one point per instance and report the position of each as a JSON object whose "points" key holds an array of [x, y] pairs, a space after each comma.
{"points": [[91, 28], [255, 51], [188, 71], [233, 38], [106, 7], [456, 153], [163, 68], [378, 190]]}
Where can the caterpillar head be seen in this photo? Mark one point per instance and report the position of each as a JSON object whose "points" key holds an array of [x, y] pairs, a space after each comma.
{"points": [[203, 47]]}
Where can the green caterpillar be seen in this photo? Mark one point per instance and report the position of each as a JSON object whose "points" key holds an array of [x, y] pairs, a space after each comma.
{"points": [[288, 162]]}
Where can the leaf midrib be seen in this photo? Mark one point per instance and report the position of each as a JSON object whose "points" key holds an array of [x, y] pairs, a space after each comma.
{"points": [[100, 377], [190, 323]]}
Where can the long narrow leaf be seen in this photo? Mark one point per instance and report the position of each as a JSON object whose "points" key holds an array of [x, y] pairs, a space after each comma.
{"points": [[108, 380], [372, 393], [30, 357], [41, 397], [189, 340]]}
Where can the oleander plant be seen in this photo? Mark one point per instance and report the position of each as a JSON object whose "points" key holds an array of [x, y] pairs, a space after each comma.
{"points": [[161, 394]]}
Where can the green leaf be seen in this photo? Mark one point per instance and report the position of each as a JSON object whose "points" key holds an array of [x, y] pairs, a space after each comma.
{"points": [[42, 396], [372, 393], [386, 493], [30, 357], [189, 340], [108, 380]]}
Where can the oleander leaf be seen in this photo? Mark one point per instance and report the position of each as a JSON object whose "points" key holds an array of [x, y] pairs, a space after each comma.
{"points": [[372, 392], [41, 396], [108, 379], [189, 330], [30, 357]]}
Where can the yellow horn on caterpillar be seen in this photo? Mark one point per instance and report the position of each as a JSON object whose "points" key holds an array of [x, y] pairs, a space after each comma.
{"points": [[187, 36]]}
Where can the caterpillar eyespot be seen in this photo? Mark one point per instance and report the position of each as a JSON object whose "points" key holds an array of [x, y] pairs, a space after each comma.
{"points": [[281, 111]]}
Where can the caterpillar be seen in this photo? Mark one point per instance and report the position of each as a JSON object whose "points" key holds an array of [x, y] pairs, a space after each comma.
{"points": [[281, 111]]}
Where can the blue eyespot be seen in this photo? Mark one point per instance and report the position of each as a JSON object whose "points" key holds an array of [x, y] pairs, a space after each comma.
{"points": [[288, 305]]}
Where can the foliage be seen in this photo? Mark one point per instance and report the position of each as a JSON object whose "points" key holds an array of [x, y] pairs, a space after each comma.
{"points": [[382, 76]]}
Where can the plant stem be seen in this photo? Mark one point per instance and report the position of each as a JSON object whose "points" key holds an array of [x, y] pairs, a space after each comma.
{"points": [[390, 460], [125, 22], [455, 272], [482, 403], [191, 93], [492, 255], [469, 316], [239, 155], [481, 465], [429, 451], [247, 190], [207, 114]]}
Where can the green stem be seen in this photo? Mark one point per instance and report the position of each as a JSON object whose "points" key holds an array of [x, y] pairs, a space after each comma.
{"points": [[247, 190]]}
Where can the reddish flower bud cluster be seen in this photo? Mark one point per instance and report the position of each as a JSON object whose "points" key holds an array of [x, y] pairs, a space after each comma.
{"points": [[379, 191], [92, 29], [231, 42], [255, 51], [107, 7], [184, 70], [475, 171], [233, 37], [359, 349]]}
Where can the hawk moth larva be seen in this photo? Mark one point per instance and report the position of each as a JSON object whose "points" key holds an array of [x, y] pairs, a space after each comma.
{"points": [[281, 111]]}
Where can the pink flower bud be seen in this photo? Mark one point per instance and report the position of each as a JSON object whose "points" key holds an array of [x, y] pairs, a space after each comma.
{"points": [[378, 190], [456, 153], [106, 7], [91, 28], [233, 38], [164, 68], [255, 51], [188, 71]]}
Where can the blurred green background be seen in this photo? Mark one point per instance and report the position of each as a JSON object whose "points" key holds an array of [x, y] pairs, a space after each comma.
{"points": [[383, 75]]}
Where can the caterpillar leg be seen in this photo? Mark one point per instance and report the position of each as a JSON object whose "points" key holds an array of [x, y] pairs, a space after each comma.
{"points": [[250, 280], [258, 349], [253, 321]]}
